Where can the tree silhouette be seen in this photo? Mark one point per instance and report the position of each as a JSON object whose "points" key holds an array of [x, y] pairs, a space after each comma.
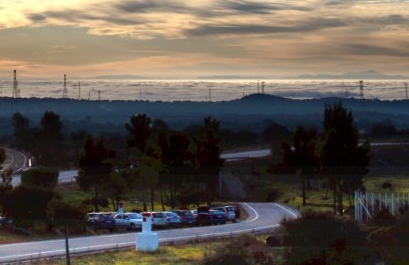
{"points": [[176, 154], [22, 134], [344, 160], [51, 142], [5, 186], [139, 130], [303, 156], [208, 159], [95, 167]]}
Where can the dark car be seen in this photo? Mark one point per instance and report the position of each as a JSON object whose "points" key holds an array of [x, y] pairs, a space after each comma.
{"points": [[187, 216], [100, 220], [211, 217], [217, 217]]}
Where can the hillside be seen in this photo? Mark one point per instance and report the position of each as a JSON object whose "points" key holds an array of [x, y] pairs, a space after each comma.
{"points": [[250, 112]]}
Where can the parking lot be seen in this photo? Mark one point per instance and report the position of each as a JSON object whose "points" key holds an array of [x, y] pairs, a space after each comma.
{"points": [[132, 221]]}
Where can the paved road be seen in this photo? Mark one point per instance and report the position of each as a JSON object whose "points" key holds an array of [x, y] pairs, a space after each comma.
{"points": [[261, 217], [15, 160], [68, 176]]}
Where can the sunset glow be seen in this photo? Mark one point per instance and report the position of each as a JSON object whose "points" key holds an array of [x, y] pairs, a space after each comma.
{"points": [[187, 39]]}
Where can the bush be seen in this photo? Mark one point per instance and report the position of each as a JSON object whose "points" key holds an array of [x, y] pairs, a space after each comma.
{"points": [[240, 251], [321, 238], [386, 185], [384, 217]]}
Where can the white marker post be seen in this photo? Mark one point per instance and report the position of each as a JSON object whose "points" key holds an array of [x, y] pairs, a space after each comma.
{"points": [[146, 240]]}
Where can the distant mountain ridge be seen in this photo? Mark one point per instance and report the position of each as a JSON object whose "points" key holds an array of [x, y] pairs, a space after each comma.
{"points": [[370, 74]]}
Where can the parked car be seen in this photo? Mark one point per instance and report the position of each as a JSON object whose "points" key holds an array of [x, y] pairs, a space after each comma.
{"points": [[129, 221], [211, 217], [173, 219], [187, 216], [228, 211], [100, 220], [159, 219], [217, 217]]}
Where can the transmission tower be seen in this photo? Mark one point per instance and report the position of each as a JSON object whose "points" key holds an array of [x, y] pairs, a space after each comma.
{"points": [[16, 90], [361, 89], [64, 92], [79, 90]]}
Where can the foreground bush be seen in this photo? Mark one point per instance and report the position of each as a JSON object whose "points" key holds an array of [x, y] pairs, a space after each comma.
{"points": [[321, 238], [240, 251]]}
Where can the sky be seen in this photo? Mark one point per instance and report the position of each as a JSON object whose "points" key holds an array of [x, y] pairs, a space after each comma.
{"points": [[202, 38]]}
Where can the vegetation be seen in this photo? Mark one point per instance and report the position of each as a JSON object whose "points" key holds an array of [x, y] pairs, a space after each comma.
{"points": [[181, 168]]}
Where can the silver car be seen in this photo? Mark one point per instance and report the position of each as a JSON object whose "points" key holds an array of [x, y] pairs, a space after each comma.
{"points": [[173, 219], [129, 221], [228, 211]]}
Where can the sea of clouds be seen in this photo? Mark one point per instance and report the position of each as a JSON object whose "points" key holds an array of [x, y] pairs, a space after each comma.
{"points": [[203, 90]]}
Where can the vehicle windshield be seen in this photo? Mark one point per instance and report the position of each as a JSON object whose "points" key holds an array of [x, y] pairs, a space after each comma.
{"points": [[135, 216]]}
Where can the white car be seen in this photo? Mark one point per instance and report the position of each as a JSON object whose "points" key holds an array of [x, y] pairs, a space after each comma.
{"points": [[129, 221], [159, 219]]}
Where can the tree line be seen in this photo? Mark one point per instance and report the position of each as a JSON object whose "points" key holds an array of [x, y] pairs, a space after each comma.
{"points": [[337, 156], [177, 168]]}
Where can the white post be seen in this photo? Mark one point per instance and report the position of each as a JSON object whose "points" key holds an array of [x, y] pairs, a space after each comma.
{"points": [[366, 206], [393, 204], [355, 206], [146, 240]]}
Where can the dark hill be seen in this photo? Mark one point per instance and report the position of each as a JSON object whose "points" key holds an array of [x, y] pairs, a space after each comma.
{"points": [[250, 112]]}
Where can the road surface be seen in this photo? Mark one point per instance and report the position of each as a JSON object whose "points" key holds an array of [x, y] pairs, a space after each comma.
{"points": [[261, 217], [15, 160]]}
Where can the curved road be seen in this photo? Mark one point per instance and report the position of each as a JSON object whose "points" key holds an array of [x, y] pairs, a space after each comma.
{"points": [[15, 160], [261, 217]]}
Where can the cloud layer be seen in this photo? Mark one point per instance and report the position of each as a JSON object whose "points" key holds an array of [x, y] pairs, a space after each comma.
{"points": [[192, 38]]}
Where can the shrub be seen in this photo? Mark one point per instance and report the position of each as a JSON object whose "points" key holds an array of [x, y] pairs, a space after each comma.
{"points": [[321, 238], [386, 185], [240, 251]]}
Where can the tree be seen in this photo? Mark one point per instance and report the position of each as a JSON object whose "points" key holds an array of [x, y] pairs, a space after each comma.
{"points": [[275, 132], [208, 157], [5, 186], [95, 167], [303, 157], [2, 155], [148, 175], [344, 160], [22, 135], [28, 204], [139, 130], [178, 158], [51, 142]]}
